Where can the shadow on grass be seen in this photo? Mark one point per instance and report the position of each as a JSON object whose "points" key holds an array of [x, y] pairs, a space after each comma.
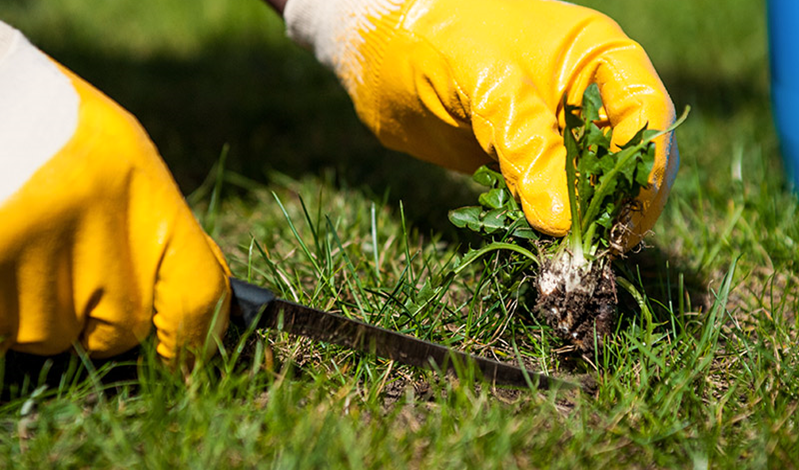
{"points": [[277, 109], [24, 373], [670, 283]]}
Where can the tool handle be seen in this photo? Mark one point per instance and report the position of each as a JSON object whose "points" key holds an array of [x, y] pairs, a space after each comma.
{"points": [[248, 302]]}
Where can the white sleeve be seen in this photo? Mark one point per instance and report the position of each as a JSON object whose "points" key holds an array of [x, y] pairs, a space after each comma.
{"points": [[332, 30], [38, 110]]}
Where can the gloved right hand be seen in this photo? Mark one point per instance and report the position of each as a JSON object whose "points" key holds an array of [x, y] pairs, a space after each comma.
{"points": [[464, 82], [97, 245]]}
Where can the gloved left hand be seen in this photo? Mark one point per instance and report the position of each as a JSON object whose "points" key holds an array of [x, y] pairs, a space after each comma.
{"points": [[97, 245]]}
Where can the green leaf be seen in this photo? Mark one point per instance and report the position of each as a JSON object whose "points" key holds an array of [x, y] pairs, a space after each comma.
{"points": [[592, 102], [595, 139], [645, 167], [650, 134], [606, 219], [493, 220], [636, 139], [587, 168], [516, 214], [487, 177], [466, 217], [572, 116], [521, 229], [600, 182], [607, 164], [494, 198]]}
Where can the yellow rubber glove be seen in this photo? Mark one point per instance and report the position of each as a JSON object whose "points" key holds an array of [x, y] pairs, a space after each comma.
{"points": [[96, 244], [463, 82]]}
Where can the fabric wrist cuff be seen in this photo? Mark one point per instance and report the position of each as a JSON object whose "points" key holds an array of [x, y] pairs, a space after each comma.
{"points": [[309, 23], [7, 38], [332, 28]]}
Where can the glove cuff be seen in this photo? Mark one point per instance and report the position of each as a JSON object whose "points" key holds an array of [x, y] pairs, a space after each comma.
{"points": [[39, 110], [7, 37], [334, 30]]}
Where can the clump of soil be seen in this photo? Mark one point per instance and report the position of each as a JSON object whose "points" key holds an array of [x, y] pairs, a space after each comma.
{"points": [[578, 301]]}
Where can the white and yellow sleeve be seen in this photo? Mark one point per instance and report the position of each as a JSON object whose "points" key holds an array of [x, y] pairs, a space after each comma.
{"points": [[97, 245], [38, 110]]}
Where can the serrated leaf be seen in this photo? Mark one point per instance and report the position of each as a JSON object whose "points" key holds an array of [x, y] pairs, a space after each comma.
{"points": [[635, 140], [592, 103], [600, 182], [607, 216], [645, 167], [610, 183], [605, 165], [595, 137], [628, 172], [572, 116], [588, 167]]}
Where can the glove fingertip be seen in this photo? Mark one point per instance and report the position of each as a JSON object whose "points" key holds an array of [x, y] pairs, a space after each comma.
{"points": [[544, 197], [192, 301], [551, 222]]}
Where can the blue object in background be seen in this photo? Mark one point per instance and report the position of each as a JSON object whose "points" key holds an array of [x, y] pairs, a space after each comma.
{"points": [[783, 22]]}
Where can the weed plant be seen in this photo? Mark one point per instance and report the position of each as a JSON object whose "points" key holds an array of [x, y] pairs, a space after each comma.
{"points": [[702, 372]]}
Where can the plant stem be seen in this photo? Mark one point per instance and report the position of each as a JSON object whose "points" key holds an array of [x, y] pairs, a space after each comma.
{"points": [[589, 239], [494, 247], [575, 233]]}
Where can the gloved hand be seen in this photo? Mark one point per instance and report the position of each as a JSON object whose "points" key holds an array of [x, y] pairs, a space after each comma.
{"points": [[96, 242], [460, 82]]}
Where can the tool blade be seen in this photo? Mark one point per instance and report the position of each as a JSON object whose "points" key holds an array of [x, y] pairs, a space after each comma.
{"points": [[260, 304]]}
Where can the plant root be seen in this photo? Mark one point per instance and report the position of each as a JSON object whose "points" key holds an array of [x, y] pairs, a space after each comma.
{"points": [[578, 302]]}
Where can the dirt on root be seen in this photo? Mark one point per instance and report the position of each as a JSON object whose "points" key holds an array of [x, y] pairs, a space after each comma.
{"points": [[583, 312]]}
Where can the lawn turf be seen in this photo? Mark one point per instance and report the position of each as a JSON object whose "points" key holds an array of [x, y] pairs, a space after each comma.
{"points": [[704, 369]]}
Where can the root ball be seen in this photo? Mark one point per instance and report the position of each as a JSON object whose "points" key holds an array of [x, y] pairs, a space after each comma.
{"points": [[578, 302]]}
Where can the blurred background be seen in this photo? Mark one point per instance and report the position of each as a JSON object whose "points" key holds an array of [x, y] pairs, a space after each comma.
{"points": [[206, 73]]}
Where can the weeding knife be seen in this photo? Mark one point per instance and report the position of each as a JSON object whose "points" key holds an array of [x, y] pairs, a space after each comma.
{"points": [[258, 304]]}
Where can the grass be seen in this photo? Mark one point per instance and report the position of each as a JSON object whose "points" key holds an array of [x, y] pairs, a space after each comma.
{"points": [[703, 372]]}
